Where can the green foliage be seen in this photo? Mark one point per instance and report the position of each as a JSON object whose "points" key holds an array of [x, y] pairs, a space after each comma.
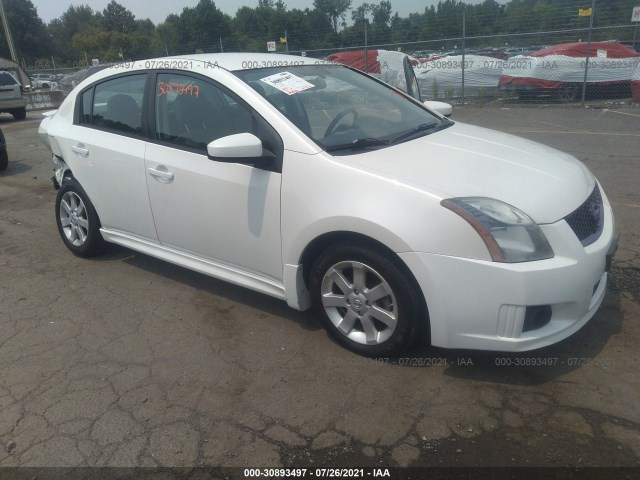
{"points": [[29, 34], [202, 26], [83, 33], [482, 94], [332, 10], [448, 94], [378, 22], [117, 18]]}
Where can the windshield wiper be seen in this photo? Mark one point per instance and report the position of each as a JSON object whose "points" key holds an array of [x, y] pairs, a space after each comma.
{"points": [[358, 143], [423, 127]]}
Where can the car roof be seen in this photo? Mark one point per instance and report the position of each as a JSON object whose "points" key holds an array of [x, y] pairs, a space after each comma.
{"points": [[203, 62], [247, 61]]}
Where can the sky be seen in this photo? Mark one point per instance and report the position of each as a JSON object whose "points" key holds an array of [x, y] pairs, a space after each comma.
{"points": [[157, 10]]}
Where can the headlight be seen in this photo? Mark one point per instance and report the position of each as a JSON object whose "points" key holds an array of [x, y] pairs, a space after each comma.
{"points": [[509, 234]]}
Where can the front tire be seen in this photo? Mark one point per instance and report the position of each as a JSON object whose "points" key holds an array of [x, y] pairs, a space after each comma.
{"points": [[366, 301], [77, 220]]}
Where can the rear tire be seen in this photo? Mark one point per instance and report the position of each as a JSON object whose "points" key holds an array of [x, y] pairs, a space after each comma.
{"points": [[19, 113], [77, 220], [367, 302]]}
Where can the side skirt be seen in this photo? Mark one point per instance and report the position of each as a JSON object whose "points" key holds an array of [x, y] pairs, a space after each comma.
{"points": [[227, 273]]}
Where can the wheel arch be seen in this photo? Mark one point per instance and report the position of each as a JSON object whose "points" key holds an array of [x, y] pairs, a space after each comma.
{"points": [[88, 233], [64, 173], [61, 172], [321, 243]]}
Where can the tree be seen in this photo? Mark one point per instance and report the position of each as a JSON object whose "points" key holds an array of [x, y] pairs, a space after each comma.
{"points": [[379, 31], [333, 10], [75, 20], [30, 36], [117, 18], [202, 26], [168, 33], [82, 32], [381, 14]]}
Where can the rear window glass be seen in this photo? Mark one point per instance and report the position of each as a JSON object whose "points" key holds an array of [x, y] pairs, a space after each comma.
{"points": [[7, 79], [117, 104]]}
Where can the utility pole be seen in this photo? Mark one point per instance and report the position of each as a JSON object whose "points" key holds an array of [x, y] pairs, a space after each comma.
{"points": [[586, 67], [464, 38], [366, 48], [7, 32]]}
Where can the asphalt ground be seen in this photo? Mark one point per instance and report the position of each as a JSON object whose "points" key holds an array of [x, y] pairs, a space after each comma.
{"points": [[125, 360]]}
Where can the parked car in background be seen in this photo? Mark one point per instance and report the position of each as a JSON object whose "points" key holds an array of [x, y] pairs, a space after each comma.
{"points": [[12, 96], [442, 77], [319, 185], [560, 69], [70, 81], [436, 77], [44, 81], [387, 65]]}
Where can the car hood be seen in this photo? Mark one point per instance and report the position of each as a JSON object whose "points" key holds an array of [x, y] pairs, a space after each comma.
{"points": [[468, 161]]}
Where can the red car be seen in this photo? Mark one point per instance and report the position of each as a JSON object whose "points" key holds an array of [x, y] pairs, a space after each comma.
{"points": [[560, 69]]}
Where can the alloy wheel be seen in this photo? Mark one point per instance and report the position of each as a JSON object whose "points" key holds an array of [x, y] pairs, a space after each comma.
{"points": [[74, 219], [359, 302]]}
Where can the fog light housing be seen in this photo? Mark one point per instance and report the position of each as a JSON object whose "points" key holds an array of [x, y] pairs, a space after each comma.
{"points": [[536, 317]]}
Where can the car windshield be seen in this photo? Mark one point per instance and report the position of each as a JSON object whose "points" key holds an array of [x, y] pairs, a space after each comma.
{"points": [[342, 110]]}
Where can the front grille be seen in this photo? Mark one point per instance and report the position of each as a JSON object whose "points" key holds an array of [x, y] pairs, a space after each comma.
{"points": [[588, 219]]}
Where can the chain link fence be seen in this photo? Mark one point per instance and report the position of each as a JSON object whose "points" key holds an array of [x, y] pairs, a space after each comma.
{"points": [[558, 66], [520, 68]]}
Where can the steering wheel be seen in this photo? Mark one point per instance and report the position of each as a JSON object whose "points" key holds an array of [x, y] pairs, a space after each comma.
{"points": [[340, 116]]}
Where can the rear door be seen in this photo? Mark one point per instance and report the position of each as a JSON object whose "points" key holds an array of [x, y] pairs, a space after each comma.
{"points": [[105, 150]]}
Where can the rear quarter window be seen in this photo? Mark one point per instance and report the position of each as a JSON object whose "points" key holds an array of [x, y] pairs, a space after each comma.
{"points": [[7, 79]]}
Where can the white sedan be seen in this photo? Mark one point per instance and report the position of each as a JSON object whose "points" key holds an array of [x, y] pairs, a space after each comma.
{"points": [[319, 185], [44, 81]]}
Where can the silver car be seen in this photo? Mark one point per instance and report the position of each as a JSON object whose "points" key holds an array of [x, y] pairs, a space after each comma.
{"points": [[12, 97]]}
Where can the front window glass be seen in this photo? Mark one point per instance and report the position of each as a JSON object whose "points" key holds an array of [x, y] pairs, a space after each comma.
{"points": [[192, 112], [341, 110]]}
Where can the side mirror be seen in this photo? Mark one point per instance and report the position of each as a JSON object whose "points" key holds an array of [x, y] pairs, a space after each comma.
{"points": [[241, 145], [244, 148], [442, 108]]}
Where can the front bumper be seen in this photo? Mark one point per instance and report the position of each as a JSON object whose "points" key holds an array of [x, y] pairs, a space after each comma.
{"points": [[476, 304]]}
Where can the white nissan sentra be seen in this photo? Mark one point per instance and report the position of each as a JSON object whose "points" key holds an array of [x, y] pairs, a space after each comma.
{"points": [[319, 185]]}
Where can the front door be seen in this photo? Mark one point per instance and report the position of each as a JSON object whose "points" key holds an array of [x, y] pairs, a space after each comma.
{"points": [[225, 212]]}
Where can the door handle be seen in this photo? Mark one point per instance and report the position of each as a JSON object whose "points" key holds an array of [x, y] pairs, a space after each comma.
{"points": [[163, 174], [80, 149]]}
